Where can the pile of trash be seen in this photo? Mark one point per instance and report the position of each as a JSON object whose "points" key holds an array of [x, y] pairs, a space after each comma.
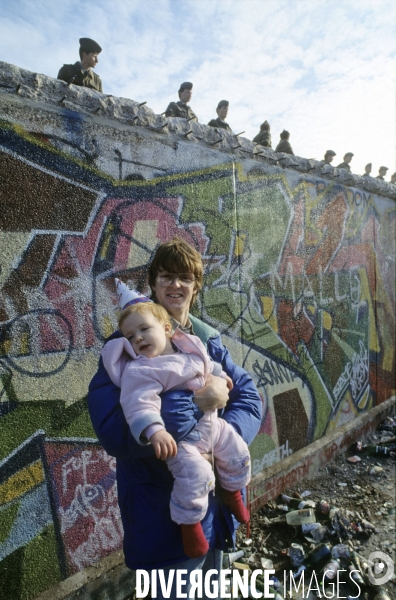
{"points": [[334, 537]]}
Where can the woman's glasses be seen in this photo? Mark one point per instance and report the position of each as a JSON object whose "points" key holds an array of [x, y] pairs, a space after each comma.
{"points": [[185, 279]]}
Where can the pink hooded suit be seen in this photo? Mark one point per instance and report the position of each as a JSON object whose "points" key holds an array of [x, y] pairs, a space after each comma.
{"points": [[141, 380]]}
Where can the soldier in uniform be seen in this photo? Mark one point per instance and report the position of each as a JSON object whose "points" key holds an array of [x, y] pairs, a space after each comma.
{"points": [[180, 109], [347, 159], [264, 135], [381, 173], [81, 72], [393, 179], [222, 110], [367, 170], [284, 144], [328, 157]]}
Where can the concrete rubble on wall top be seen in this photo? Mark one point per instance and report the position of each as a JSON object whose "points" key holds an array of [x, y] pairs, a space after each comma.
{"points": [[46, 90]]}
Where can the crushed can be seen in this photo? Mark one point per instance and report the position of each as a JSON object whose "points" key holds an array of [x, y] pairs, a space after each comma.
{"points": [[316, 530], [307, 528], [341, 551], [296, 555], [323, 507]]}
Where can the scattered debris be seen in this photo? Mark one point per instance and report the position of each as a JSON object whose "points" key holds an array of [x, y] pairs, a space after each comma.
{"points": [[351, 510], [354, 459]]}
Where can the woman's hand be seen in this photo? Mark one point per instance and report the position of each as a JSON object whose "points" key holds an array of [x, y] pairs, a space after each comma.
{"points": [[163, 444], [229, 383], [213, 396]]}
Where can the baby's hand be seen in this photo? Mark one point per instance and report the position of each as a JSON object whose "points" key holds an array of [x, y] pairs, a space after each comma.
{"points": [[163, 444]]}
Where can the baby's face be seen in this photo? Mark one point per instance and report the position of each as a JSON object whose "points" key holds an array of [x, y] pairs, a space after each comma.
{"points": [[146, 334]]}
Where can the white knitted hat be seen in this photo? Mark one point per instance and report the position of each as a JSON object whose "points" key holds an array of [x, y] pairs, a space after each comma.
{"points": [[126, 296]]}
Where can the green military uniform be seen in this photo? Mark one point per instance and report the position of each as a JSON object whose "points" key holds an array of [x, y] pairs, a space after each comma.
{"points": [[345, 166], [83, 78], [219, 123], [263, 138], [284, 146], [181, 110]]}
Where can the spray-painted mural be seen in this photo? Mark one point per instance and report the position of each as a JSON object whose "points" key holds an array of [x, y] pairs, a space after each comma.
{"points": [[299, 279]]}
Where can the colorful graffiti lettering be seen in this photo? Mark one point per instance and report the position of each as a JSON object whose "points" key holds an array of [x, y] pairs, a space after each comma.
{"points": [[298, 279]]}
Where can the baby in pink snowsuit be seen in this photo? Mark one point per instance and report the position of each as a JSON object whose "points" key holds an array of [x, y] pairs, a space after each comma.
{"points": [[148, 360]]}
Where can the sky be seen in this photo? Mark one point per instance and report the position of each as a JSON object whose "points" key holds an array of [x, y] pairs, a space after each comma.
{"points": [[324, 70]]}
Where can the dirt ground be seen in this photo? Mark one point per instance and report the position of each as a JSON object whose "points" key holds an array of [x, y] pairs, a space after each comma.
{"points": [[346, 485]]}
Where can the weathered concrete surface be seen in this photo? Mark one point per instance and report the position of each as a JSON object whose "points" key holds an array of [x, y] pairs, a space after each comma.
{"points": [[44, 90], [299, 279], [306, 462], [109, 579]]}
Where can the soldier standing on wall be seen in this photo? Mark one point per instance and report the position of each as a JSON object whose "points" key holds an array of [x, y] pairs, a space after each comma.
{"points": [[347, 159], [367, 170], [81, 72], [180, 108], [328, 157], [264, 135], [381, 173], [284, 144], [393, 179], [222, 110]]}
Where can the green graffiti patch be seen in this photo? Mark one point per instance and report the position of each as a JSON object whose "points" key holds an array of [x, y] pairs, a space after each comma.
{"points": [[7, 518], [54, 417], [31, 569]]}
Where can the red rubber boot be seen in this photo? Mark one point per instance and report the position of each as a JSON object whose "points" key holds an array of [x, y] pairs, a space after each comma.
{"points": [[194, 541], [235, 503]]}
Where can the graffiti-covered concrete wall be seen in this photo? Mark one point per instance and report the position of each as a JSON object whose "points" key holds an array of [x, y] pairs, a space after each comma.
{"points": [[299, 279]]}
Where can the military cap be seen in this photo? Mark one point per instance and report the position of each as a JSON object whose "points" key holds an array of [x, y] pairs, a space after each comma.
{"points": [[265, 125], [285, 134], [349, 154], [88, 45], [222, 103], [330, 153], [383, 168], [187, 85], [369, 165]]}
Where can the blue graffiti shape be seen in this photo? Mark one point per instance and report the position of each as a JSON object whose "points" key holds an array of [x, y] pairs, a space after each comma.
{"points": [[34, 515]]}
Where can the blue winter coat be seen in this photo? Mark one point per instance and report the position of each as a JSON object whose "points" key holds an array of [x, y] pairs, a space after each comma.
{"points": [[151, 539]]}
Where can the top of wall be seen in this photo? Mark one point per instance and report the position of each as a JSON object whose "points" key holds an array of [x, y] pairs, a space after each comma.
{"points": [[47, 91]]}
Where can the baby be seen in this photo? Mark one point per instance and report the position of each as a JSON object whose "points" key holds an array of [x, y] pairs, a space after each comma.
{"points": [[148, 360]]}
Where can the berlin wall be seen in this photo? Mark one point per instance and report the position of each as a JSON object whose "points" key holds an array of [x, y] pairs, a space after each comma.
{"points": [[299, 279]]}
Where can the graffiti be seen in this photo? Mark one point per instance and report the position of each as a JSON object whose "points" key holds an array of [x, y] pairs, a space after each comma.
{"points": [[302, 288], [355, 374], [270, 373], [268, 486], [298, 279], [64, 488], [272, 457], [269, 489], [86, 496]]}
